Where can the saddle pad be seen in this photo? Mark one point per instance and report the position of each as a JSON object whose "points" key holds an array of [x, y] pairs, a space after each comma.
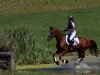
{"points": [[76, 40]]}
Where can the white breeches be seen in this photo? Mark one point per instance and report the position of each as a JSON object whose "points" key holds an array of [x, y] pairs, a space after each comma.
{"points": [[73, 34]]}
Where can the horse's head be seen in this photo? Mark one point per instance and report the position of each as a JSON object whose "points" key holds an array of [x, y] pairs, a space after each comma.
{"points": [[52, 33]]}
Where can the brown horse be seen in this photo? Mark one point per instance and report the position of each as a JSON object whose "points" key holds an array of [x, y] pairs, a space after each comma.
{"points": [[62, 46]]}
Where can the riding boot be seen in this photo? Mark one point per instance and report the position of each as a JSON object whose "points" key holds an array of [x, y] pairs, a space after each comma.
{"points": [[70, 49]]}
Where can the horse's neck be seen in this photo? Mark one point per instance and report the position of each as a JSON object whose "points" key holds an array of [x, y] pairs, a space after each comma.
{"points": [[59, 37]]}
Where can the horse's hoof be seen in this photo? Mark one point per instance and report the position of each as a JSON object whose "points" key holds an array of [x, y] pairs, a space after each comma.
{"points": [[63, 60], [60, 58], [57, 62], [66, 61]]}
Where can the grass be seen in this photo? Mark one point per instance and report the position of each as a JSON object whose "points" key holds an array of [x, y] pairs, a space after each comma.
{"points": [[38, 15], [40, 66], [28, 6], [87, 23]]}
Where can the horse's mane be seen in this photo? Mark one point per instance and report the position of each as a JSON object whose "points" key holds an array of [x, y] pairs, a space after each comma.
{"points": [[60, 31]]}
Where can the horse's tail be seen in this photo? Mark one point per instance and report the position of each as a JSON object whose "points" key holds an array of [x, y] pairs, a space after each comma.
{"points": [[94, 50]]}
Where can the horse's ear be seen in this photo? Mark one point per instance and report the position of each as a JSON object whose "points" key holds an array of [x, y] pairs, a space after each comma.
{"points": [[50, 27]]}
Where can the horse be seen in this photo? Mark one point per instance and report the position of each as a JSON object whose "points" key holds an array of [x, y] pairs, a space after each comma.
{"points": [[62, 46]]}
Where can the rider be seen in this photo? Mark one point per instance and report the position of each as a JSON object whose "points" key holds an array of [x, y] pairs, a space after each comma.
{"points": [[71, 32]]}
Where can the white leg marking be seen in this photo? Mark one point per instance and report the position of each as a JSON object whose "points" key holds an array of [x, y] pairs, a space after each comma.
{"points": [[55, 58], [64, 61], [78, 61]]}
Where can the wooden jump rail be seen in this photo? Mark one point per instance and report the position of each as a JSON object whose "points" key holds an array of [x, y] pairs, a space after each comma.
{"points": [[9, 58]]}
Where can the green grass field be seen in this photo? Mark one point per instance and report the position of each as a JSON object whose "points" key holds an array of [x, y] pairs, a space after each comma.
{"points": [[28, 6], [38, 22]]}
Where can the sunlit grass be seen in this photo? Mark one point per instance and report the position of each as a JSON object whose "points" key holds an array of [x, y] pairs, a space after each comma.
{"points": [[87, 23], [28, 6], [17, 13], [35, 66]]}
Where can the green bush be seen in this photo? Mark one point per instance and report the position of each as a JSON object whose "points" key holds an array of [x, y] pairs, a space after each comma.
{"points": [[24, 41], [30, 48]]}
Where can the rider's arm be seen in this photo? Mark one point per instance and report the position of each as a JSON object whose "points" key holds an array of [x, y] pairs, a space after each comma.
{"points": [[70, 28], [65, 30]]}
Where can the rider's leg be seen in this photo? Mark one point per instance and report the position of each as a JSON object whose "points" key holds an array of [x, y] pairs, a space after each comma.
{"points": [[73, 34], [71, 41], [70, 46]]}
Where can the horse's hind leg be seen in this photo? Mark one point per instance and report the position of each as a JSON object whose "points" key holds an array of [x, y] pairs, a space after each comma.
{"points": [[65, 61], [81, 55]]}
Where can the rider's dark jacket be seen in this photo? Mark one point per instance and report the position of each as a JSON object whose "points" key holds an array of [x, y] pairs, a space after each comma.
{"points": [[70, 25]]}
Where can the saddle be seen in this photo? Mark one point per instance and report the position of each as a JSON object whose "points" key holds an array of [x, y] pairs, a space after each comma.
{"points": [[76, 40]]}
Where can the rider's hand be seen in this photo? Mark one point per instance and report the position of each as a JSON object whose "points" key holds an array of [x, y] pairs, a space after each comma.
{"points": [[64, 30]]}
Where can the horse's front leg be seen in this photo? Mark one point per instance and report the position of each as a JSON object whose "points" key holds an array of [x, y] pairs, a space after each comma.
{"points": [[61, 55], [56, 57]]}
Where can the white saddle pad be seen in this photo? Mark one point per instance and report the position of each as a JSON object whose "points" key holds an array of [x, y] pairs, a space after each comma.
{"points": [[76, 40]]}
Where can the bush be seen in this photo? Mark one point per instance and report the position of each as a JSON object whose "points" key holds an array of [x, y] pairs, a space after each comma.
{"points": [[30, 47], [24, 41]]}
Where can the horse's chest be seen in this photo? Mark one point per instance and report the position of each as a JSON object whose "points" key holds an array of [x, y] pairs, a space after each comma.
{"points": [[58, 46]]}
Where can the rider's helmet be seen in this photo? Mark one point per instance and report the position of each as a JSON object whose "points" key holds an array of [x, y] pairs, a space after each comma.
{"points": [[70, 18]]}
